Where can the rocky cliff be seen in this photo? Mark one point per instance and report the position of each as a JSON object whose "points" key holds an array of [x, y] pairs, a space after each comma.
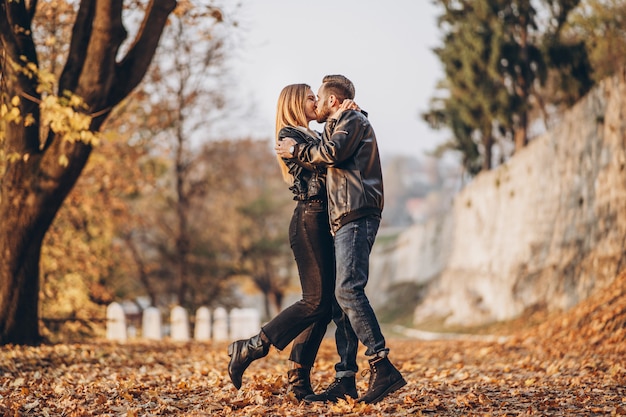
{"points": [[545, 229]]}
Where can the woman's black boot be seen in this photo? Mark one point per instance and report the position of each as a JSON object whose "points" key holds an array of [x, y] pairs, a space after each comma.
{"points": [[300, 382], [242, 353]]}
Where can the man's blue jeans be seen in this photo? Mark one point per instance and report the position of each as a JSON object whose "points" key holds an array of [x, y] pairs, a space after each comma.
{"points": [[352, 312]]}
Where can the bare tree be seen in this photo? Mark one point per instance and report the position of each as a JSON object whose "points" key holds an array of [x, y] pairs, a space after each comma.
{"points": [[185, 92]]}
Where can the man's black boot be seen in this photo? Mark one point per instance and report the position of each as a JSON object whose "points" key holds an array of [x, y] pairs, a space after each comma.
{"points": [[300, 382], [242, 353], [384, 379], [339, 389]]}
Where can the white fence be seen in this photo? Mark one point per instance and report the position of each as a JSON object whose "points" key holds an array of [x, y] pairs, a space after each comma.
{"points": [[239, 323]]}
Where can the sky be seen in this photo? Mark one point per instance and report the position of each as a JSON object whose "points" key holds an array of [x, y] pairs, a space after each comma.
{"points": [[385, 48]]}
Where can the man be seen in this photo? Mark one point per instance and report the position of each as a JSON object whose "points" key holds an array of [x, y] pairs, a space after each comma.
{"points": [[355, 201]]}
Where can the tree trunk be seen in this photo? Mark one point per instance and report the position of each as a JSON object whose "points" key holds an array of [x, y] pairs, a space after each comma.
{"points": [[523, 81], [35, 182], [142, 270], [19, 292], [31, 197], [182, 213], [488, 155], [32, 192], [521, 135]]}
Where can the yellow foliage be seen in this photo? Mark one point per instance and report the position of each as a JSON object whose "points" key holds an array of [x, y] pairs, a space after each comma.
{"points": [[31, 67], [29, 120], [13, 115], [13, 157], [76, 101], [79, 121], [60, 116], [47, 78]]}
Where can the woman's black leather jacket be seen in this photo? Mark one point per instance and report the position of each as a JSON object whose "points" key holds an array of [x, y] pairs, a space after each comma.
{"points": [[309, 181]]}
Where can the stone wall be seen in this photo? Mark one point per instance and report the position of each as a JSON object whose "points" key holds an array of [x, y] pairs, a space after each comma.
{"points": [[545, 229]]}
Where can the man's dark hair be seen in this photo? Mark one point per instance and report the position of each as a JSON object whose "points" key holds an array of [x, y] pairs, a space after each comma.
{"points": [[340, 86]]}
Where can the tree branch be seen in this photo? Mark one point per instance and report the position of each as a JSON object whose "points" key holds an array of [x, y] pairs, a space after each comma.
{"points": [[31, 10], [9, 42], [97, 74], [18, 17], [14, 14], [81, 34], [17, 41], [134, 66]]}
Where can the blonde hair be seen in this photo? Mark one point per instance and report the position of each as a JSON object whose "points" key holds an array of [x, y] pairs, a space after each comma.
{"points": [[290, 112]]}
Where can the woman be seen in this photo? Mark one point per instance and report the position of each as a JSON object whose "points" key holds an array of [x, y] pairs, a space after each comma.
{"points": [[305, 321]]}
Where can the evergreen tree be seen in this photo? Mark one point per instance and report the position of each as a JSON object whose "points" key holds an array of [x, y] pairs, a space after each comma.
{"points": [[522, 63], [601, 25], [502, 65], [568, 66], [475, 96]]}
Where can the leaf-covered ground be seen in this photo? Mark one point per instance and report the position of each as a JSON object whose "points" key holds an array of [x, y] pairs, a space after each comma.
{"points": [[570, 365]]}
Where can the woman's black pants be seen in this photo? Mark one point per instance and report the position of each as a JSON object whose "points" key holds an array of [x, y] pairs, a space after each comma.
{"points": [[305, 321]]}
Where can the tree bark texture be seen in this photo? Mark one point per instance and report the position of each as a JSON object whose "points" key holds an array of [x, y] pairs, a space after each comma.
{"points": [[35, 183]]}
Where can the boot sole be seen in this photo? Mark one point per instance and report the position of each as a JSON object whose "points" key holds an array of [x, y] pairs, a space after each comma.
{"points": [[394, 387]]}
